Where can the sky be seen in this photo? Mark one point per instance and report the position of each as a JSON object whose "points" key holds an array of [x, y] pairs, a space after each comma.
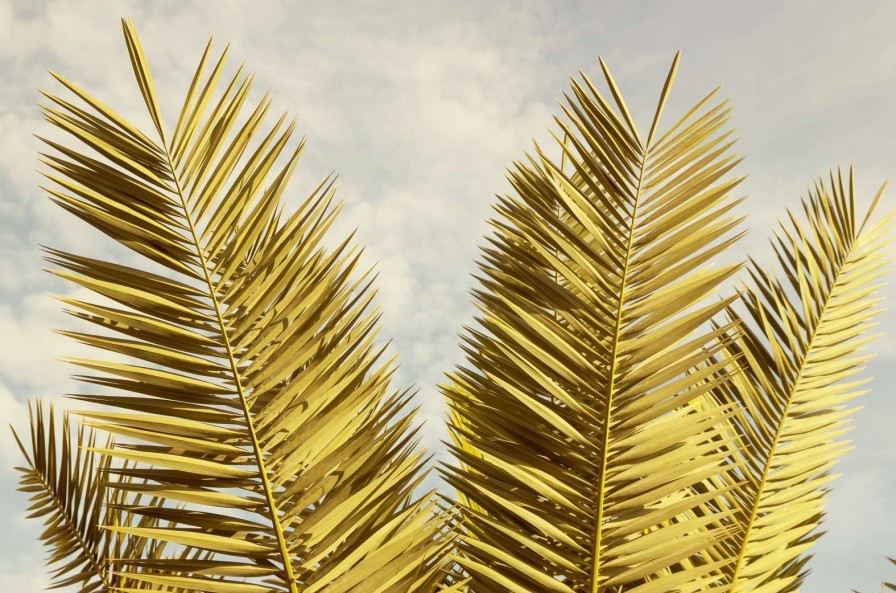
{"points": [[420, 107]]}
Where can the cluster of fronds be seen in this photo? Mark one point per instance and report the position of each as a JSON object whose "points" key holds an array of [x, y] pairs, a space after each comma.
{"points": [[617, 426]]}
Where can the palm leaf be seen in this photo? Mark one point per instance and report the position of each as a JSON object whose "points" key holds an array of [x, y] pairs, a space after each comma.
{"points": [[805, 329], [252, 392], [70, 491], [582, 440]]}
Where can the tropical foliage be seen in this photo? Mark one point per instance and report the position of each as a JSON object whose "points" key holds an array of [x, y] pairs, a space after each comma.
{"points": [[630, 416], [245, 385], [581, 445], [615, 427], [68, 488]]}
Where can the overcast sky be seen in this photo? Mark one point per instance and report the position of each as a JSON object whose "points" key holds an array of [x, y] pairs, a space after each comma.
{"points": [[420, 106]]}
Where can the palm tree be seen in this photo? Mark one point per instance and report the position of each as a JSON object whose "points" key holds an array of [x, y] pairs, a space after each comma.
{"points": [[249, 399]]}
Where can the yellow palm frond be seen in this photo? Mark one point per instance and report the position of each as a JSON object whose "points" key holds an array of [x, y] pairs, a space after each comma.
{"points": [[582, 441], [804, 332], [70, 490], [253, 399]]}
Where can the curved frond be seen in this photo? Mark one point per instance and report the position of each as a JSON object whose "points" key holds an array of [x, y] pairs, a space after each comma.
{"points": [[252, 392], [70, 491], [581, 434], [805, 330]]}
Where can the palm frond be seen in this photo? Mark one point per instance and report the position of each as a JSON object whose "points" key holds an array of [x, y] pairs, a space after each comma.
{"points": [[582, 438], [805, 329], [70, 491], [253, 383]]}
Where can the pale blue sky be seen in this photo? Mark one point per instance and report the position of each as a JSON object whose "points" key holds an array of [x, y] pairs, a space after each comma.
{"points": [[420, 106]]}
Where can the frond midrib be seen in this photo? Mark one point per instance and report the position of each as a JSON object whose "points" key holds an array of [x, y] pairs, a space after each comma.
{"points": [[614, 359], [250, 425]]}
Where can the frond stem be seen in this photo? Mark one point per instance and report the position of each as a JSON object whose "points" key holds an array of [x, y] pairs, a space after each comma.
{"points": [[601, 492], [256, 447]]}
